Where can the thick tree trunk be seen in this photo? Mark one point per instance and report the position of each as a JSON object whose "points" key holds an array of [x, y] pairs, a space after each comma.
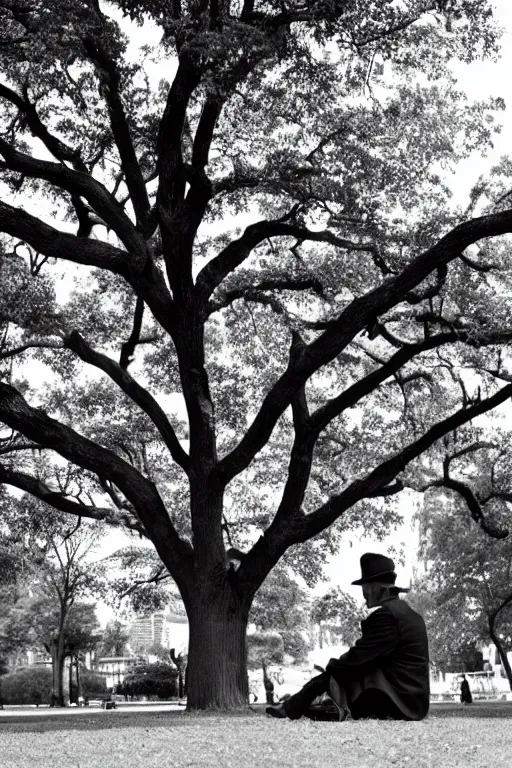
{"points": [[57, 696], [217, 657], [503, 656], [74, 680]]}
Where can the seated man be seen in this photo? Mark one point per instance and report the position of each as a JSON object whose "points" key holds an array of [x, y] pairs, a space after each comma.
{"points": [[385, 674]]}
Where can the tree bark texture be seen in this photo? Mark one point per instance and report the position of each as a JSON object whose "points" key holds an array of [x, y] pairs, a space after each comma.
{"points": [[57, 652], [217, 660]]}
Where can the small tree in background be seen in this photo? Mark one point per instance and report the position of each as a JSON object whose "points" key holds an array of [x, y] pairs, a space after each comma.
{"points": [[54, 572], [466, 593], [337, 615], [114, 639], [281, 607], [92, 684]]}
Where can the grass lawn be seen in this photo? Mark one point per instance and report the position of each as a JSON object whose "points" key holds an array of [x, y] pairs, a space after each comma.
{"points": [[452, 735]]}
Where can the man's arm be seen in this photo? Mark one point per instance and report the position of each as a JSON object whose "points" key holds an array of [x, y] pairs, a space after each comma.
{"points": [[380, 638]]}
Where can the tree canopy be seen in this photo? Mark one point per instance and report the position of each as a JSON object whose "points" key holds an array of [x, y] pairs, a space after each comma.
{"points": [[466, 592], [338, 614], [235, 297], [53, 574]]}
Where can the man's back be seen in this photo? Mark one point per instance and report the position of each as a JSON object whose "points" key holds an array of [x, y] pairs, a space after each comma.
{"points": [[391, 657]]}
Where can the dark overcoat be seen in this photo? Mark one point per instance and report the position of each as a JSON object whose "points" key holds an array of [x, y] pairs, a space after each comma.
{"points": [[391, 657]]}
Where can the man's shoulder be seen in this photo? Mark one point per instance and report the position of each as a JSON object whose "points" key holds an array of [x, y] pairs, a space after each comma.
{"points": [[381, 614], [401, 608]]}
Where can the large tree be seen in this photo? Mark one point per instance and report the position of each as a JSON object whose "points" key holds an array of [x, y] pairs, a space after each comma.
{"points": [[267, 274]]}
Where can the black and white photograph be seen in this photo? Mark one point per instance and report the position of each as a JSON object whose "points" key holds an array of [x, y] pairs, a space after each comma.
{"points": [[255, 383]]}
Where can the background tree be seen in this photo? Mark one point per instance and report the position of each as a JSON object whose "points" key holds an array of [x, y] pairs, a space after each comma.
{"points": [[268, 277], [28, 685], [454, 638], [56, 554], [92, 684], [281, 607], [337, 614], [469, 597], [82, 635], [114, 639]]}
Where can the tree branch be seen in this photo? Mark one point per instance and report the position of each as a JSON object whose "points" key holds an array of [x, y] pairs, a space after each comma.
{"points": [[501, 606], [204, 133], [239, 250], [284, 284], [128, 348], [361, 313], [63, 503], [307, 526], [135, 392], [32, 345], [60, 245], [35, 425], [59, 149], [111, 80], [473, 506], [12, 447], [347, 399], [83, 185], [171, 173], [160, 575]]}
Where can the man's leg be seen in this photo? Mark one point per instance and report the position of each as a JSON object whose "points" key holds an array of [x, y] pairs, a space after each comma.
{"points": [[373, 703], [296, 705]]}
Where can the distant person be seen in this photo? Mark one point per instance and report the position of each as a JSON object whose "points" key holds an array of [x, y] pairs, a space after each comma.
{"points": [[269, 687], [465, 693], [386, 673]]}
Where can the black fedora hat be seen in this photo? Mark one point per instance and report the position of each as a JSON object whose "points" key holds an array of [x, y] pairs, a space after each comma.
{"points": [[378, 569]]}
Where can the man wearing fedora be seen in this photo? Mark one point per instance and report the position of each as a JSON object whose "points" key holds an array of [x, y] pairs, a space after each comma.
{"points": [[385, 674]]}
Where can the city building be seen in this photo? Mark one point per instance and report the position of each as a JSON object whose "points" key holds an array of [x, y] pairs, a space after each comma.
{"points": [[114, 668], [163, 628]]}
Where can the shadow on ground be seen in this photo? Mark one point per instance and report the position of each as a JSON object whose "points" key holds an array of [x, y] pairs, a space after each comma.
{"points": [[106, 720], [102, 720]]}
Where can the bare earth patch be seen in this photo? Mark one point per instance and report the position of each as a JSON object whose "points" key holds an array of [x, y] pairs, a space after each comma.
{"points": [[473, 737]]}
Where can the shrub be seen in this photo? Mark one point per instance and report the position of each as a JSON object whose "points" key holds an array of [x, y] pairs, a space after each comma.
{"points": [[28, 685], [92, 683], [160, 680]]}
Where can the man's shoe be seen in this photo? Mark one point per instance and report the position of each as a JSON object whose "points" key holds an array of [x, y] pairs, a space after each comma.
{"points": [[276, 710], [327, 710]]}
